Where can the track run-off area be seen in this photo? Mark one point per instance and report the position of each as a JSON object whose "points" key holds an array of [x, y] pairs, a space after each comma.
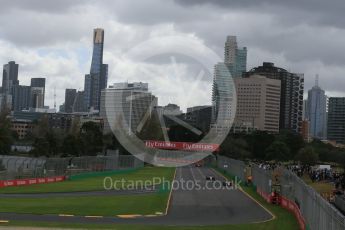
{"points": [[200, 202]]}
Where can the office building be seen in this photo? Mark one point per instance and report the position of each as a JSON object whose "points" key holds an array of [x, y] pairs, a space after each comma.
{"points": [[9, 77], [39, 83], [37, 97], [78, 104], [199, 117], [316, 112], [291, 99], [172, 109], [97, 80], [22, 127], [5, 102], [258, 103], [223, 99], [9, 80], [234, 57], [21, 97], [70, 95], [126, 105], [336, 119]]}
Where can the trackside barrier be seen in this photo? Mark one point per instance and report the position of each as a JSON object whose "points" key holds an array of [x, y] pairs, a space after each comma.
{"points": [[23, 182], [292, 207], [286, 204], [16, 167], [262, 180]]}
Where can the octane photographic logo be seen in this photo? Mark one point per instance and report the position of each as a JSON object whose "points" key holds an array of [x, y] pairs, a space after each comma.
{"points": [[130, 112]]}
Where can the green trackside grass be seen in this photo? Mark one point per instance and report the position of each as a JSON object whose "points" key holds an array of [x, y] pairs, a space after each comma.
{"points": [[144, 204], [284, 219], [321, 187], [94, 183]]}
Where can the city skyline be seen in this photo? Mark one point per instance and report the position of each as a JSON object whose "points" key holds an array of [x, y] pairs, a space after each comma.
{"points": [[64, 56]]}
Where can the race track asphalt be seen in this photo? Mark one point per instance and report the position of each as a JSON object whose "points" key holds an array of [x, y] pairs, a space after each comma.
{"points": [[197, 202]]}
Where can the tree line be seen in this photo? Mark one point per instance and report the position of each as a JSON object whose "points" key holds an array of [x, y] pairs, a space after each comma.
{"points": [[285, 146]]}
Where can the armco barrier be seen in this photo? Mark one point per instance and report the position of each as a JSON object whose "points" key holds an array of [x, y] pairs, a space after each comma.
{"points": [[292, 207], [286, 204], [23, 182]]}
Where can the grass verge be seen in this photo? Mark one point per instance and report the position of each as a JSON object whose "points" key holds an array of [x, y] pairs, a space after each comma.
{"points": [[94, 183], [84, 206]]}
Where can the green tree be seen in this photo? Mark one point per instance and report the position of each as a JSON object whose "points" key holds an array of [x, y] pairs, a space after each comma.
{"points": [[91, 138], [71, 145], [258, 142], [277, 151], [294, 142], [235, 148], [40, 147], [307, 156], [6, 134]]}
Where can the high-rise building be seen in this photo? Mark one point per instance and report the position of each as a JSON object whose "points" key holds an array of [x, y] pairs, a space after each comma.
{"points": [[78, 104], [9, 80], [70, 95], [291, 99], [223, 101], [39, 83], [126, 104], [234, 57], [21, 97], [316, 112], [37, 97], [9, 77], [198, 117], [258, 103], [336, 119], [97, 80]]}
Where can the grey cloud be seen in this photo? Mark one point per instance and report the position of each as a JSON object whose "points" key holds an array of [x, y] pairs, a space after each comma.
{"points": [[60, 6], [317, 12]]}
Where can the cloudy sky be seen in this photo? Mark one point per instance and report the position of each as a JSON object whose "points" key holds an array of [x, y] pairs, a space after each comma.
{"points": [[164, 42]]}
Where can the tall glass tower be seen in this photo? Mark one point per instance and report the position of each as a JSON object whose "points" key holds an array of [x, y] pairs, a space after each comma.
{"points": [[223, 101], [234, 57], [98, 77], [316, 112]]}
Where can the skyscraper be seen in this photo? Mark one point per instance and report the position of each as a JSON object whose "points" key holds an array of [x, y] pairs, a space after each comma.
{"points": [[316, 112], [98, 77], [78, 104], [21, 97], [9, 77], [336, 119], [234, 57], [70, 95], [37, 98], [39, 83], [258, 103], [223, 102], [291, 99], [9, 80], [126, 103]]}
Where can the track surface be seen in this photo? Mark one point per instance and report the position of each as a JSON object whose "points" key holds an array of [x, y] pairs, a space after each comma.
{"points": [[198, 206]]}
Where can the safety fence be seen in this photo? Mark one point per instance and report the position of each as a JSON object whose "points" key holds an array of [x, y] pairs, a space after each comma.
{"points": [[318, 212], [14, 167], [310, 209]]}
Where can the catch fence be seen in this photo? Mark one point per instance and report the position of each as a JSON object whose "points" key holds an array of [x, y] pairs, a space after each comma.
{"points": [[14, 167]]}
